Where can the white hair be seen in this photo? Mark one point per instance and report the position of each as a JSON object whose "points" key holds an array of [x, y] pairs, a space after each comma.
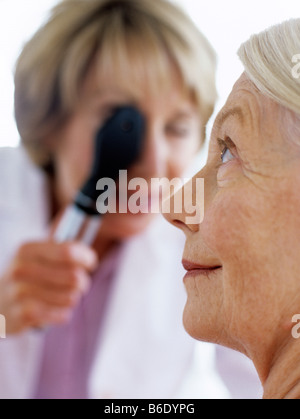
{"points": [[270, 61]]}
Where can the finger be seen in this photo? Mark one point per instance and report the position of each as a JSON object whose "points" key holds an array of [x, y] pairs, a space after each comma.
{"points": [[51, 277], [33, 314], [68, 253], [53, 299]]}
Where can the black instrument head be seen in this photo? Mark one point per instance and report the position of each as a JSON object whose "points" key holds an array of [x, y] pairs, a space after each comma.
{"points": [[118, 144]]}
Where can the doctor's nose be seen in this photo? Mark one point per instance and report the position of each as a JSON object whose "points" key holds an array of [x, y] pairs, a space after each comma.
{"points": [[185, 208], [153, 162]]}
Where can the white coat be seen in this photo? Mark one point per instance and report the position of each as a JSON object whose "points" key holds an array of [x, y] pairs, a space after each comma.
{"points": [[144, 351]]}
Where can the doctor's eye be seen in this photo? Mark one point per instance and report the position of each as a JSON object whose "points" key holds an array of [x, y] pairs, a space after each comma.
{"points": [[178, 129]]}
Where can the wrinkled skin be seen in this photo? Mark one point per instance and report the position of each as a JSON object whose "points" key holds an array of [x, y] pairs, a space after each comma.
{"points": [[250, 240]]}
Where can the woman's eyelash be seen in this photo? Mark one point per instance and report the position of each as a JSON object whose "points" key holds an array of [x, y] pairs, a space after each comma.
{"points": [[225, 145]]}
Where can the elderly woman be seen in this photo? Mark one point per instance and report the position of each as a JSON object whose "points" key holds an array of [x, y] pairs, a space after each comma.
{"points": [[110, 313], [242, 262]]}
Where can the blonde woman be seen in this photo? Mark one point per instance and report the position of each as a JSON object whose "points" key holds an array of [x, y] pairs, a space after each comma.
{"points": [[114, 309], [243, 261]]}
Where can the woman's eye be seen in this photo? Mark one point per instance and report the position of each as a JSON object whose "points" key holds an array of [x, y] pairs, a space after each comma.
{"points": [[228, 149], [226, 155]]}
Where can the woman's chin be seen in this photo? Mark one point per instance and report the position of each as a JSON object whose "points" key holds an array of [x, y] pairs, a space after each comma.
{"points": [[202, 314], [208, 325], [200, 325]]}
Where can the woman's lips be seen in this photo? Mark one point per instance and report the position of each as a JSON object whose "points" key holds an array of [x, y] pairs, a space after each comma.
{"points": [[196, 269]]}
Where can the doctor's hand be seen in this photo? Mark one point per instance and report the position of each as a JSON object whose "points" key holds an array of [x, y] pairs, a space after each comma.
{"points": [[44, 283]]}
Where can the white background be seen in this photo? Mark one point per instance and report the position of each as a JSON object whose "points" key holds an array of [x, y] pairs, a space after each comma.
{"points": [[226, 23]]}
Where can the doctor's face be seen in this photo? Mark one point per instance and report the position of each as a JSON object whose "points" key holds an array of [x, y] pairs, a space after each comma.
{"points": [[173, 137]]}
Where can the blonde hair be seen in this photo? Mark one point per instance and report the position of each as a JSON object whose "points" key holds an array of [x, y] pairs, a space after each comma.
{"points": [[127, 38], [269, 62]]}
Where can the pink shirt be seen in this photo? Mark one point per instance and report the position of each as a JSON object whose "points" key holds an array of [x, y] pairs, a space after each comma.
{"points": [[69, 350]]}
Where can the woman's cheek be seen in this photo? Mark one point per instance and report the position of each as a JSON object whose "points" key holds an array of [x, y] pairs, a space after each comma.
{"points": [[229, 173], [224, 223]]}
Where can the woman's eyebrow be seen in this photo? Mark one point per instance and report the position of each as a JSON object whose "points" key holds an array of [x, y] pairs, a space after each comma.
{"points": [[227, 113]]}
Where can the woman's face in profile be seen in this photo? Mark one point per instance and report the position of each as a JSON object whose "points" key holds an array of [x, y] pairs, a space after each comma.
{"points": [[247, 284], [173, 137]]}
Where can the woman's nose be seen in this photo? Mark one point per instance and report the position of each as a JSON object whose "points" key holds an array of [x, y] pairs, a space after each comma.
{"points": [[185, 208]]}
